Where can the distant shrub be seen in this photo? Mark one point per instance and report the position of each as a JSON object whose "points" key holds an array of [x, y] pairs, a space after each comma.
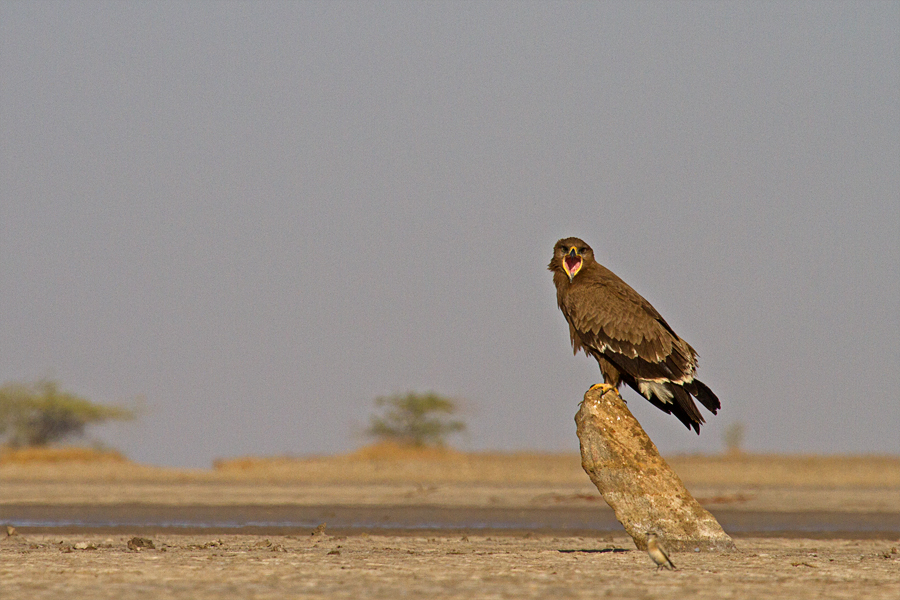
{"points": [[39, 414], [734, 438], [415, 419]]}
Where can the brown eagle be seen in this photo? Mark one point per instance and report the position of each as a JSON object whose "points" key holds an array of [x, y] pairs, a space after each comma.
{"points": [[630, 340]]}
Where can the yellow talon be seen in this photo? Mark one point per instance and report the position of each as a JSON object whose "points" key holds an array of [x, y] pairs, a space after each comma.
{"points": [[605, 387]]}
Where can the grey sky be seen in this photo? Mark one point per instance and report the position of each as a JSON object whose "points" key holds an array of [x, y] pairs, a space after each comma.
{"points": [[261, 216]]}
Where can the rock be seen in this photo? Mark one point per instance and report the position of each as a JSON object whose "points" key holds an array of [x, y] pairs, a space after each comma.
{"points": [[13, 538], [643, 491], [139, 543]]}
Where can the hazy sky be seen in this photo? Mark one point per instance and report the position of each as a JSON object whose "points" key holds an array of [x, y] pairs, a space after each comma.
{"points": [[259, 216]]}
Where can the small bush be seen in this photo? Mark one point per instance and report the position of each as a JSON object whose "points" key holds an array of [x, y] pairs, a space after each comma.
{"points": [[415, 419], [40, 414], [733, 437]]}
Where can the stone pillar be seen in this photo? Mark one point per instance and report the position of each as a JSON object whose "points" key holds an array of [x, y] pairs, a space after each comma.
{"points": [[636, 482]]}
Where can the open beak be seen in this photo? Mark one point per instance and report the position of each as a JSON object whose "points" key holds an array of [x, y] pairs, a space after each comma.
{"points": [[572, 263]]}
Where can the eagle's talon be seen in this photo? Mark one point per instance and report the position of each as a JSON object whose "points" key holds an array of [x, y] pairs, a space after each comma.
{"points": [[605, 387]]}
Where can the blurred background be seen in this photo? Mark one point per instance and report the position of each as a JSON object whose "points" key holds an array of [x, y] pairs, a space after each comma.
{"points": [[249, 220]]}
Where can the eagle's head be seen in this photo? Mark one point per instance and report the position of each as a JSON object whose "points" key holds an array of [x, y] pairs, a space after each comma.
{"points": [[570, 255]]}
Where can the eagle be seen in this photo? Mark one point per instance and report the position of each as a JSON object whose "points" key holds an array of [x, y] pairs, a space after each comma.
{"points": [[630, 340]]}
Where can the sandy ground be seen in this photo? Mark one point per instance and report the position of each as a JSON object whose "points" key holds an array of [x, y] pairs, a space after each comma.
{"points": [[462, 566], [463, 563]]}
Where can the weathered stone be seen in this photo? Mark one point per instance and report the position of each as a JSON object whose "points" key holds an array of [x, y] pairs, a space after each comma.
{"points": [[636, 482]]}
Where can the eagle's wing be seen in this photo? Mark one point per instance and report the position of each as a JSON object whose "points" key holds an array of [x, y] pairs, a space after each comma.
{"points": [[607, 316]]}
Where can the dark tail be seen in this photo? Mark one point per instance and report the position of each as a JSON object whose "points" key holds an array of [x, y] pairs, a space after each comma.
{"points": [[705, 395], [682, 406]]}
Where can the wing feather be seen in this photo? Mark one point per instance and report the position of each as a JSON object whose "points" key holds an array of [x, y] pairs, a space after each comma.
{"points": [[606, 315]]}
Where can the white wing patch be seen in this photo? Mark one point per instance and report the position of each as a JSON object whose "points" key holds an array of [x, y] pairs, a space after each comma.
{"points": [[657, 388], [649, 387]]}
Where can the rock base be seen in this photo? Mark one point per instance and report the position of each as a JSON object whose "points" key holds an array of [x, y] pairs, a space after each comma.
{"points": [[645, 493]]}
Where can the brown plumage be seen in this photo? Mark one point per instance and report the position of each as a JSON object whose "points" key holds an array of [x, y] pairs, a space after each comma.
{"points": [[658, 554], [631, 342]]}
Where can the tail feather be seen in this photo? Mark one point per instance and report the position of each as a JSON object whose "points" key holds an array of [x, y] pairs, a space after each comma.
{"points": [[705, 395], [685, 402], [675, 399]]}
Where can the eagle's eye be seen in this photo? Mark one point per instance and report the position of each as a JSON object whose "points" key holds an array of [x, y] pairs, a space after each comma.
{"points": [[582, 250]]}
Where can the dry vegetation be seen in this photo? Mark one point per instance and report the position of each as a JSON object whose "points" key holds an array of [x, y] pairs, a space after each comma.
{"points": [[385, 463], [790, 470], [388, 463], [66, 454], [391, 463]]}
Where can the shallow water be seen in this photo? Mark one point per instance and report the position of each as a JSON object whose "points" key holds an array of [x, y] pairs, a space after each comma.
{"points": [[295, 518]]}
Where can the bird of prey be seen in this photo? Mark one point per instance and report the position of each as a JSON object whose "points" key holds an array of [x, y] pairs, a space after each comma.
{"points": [[632, 343], [657, 553]]}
